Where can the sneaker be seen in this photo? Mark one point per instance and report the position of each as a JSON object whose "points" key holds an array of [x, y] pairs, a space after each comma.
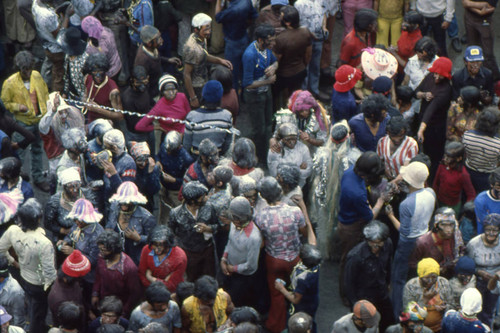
{"points": [[457, 46]]}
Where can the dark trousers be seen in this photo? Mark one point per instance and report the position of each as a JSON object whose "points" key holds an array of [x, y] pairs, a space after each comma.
{"points": [[384, 307], [37, 306], [480, 180], [245, 290], [57, 60], [200, 263], [260, 107], [480, 32], [435, 139], [439, 34], [489, 302], [399, 274], [285, 86]]}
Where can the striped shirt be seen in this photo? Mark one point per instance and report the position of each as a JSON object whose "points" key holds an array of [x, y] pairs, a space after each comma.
{"points": [[482, 151], [407, 150]]}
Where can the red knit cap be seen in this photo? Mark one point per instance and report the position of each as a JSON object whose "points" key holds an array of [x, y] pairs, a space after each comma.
{"points": [[442, 66], [76, 265]]}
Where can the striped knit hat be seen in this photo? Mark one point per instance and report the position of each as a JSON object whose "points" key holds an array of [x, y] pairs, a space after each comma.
{"points": [[83, 210], [167, 78], [9, 202], [76, 265], [128, 193]]}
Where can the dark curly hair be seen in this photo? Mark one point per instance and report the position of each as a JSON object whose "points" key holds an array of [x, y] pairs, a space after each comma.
{"points": [[488, 121], [96, 61], [111, 241], [373, 107], [205, 288], [157, 292]]}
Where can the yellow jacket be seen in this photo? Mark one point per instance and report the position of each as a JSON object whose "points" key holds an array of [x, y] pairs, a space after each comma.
{"points": [[14, 94], [192, 306]]}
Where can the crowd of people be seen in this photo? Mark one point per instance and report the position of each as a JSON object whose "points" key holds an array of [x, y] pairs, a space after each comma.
{"points": [[175, 166]]}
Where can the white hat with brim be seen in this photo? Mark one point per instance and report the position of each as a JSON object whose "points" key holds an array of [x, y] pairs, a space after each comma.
{"points": [[377, 62], [415, 174]]}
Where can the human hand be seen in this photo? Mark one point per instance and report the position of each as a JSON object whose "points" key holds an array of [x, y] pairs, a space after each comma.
{"points": [[274, 145], [445, 25], [303, 166], [440, 307], [271, 79], [202, 227], [279, 286], [149, 276], [226, 63], [108, 167], [270, 71], [70, 10], [223, 266], [23, 108], [175, 61], [429, 293], [66, 249], [64, 231], [389, 211], [420, 136], [194, 103], [152, 164], [14, 145], [132, 234], [304, 136]]}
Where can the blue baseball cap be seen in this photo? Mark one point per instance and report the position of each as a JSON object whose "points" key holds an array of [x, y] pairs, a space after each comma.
{"points": [[474, 53]]}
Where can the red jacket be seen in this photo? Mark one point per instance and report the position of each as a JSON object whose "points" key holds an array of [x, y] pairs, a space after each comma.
{"points": [[174, 265]]}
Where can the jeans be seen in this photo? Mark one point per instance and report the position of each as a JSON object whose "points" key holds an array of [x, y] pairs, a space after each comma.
{"points": [[36, 149], [453, 28], [400, 272], [37, 306], [311, 81], [439, 34], [261, 108], [233, 52]]}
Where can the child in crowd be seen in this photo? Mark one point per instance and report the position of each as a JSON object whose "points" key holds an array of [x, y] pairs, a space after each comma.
{"points": [[464, 279], [452, 178], [468, 223], [303, 293]]}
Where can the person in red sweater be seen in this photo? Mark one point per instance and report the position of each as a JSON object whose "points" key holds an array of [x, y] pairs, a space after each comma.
{"points": [[161, 260], [172, 104], [410, 34], [452, 177]]}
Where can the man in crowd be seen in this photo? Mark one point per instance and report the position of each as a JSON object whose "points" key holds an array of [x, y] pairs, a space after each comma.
{"points": [[488, 202], [196, 57], [474, 74], [25, 95]]}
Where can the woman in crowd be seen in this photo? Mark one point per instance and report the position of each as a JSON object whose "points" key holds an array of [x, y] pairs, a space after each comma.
{"points": [[435, 93], [244, 160], [172, 104], [482, 148], [429, 290], [131, 221], [161, 260], [462, 115]]}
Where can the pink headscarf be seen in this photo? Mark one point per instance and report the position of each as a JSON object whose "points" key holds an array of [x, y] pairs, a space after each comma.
{"points": [[302, 100]]}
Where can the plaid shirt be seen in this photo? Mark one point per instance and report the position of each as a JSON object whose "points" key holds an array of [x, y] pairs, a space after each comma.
{"points": [[280, 228]]}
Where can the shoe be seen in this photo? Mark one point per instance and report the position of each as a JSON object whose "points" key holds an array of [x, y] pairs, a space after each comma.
{"points": [[457, 46], [44, 186], [464, 39]]}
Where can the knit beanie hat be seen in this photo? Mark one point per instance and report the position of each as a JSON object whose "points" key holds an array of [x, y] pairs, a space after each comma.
{"points": [[427, 266], [76, 265], [167, 78], [465, 265], [381, 84], [212, 91], [148, 33]]}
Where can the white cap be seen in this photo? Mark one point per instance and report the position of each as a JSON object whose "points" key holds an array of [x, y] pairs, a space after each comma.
{"points": [[69, 175], [415, 174], [200, 20], [471, 302]]}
